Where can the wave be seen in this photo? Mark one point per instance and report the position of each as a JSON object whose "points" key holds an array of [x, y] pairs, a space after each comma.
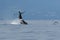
{"points": [[33, 22], [16, 21]]}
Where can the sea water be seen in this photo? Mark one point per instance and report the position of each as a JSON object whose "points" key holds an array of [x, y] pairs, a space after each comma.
{"points": [[35, 30]]}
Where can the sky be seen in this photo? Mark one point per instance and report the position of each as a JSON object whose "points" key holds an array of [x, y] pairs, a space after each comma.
{"points": [[33, 9]]}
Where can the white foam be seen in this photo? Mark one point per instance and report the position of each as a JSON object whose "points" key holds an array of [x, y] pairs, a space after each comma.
{"points": [[15, 22]]}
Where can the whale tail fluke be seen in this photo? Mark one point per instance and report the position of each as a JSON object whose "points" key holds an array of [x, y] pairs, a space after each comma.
{"points": [[21, 19]]}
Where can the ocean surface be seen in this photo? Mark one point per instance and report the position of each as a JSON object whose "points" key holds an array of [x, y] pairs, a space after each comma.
{"points": [[35, 30]]}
